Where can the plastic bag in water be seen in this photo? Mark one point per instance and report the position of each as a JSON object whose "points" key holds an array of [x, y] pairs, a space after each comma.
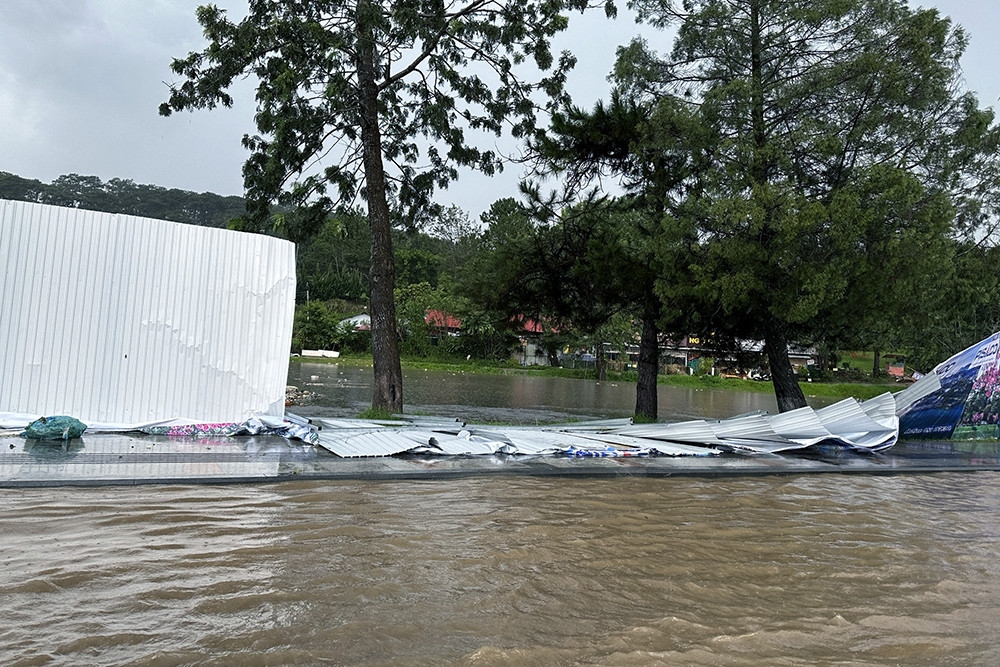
{"points": [[55, 428]]}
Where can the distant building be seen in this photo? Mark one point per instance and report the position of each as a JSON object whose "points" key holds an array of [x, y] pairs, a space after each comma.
{"points": [[443, 322], [362, 322]]}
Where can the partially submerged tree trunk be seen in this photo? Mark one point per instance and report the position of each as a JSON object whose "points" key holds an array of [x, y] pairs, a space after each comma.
{"points": [[552, 352], [388, 381], [601, 365], [786, 384], [649, 366]]}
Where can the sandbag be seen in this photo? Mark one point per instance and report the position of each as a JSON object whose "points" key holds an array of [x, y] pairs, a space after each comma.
{"points": [[59, 427]]}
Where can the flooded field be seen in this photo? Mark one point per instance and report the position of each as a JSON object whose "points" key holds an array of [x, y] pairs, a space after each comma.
{"points": [[346, 390]]}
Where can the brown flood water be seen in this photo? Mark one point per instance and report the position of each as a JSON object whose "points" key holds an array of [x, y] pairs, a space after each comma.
{"points": [[846, 570], [783, 570]]}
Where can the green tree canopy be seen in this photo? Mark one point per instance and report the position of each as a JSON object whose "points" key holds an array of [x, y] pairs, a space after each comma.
{"points": [[576, 272], [843, 145], [652, 149], [124, 196], [375, 98]]}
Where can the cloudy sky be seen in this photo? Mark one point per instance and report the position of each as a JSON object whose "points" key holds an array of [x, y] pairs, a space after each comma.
{"points": [[81, 80]]}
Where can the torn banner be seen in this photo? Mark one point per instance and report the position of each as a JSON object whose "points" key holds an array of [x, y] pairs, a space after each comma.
{"points": [[959, 399]]}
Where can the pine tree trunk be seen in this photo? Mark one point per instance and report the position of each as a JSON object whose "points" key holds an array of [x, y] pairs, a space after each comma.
{"points": [[388, 385], [649, 366], [601, 364], [786, 384]]}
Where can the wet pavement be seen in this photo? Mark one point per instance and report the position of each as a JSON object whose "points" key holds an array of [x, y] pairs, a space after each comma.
{"points": [[129, 459]]}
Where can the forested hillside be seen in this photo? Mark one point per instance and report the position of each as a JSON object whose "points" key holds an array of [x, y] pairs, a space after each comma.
{"points": [[125, 196]]}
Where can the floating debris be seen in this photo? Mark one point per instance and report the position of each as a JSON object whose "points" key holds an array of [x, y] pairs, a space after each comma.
{"points": [[296, 396]]}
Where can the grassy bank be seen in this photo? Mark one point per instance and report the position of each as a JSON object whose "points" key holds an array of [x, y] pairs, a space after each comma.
{"points": [[824, 389]]}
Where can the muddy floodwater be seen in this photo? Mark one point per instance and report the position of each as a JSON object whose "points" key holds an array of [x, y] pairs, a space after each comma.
{"points": [[777, 570]]}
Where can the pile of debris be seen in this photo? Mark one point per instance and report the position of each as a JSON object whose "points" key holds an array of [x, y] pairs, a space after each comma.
{"points": [[870, 426], [296, 396]]}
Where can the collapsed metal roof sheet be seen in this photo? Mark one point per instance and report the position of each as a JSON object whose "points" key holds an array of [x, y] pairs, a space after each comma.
{"points": [[870, 426]]}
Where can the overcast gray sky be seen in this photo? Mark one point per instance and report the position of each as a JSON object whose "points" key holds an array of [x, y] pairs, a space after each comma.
{"points": [[81, 80]]}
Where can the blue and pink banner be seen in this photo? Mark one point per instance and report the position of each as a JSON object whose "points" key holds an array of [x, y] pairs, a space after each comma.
{"points": [[967, 406]]}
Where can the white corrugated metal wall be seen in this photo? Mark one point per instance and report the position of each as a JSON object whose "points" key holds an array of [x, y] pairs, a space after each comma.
{"points": [[117, 319]]}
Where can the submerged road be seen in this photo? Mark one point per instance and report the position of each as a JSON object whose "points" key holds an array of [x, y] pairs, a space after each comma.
{"points": [[130, 459]]}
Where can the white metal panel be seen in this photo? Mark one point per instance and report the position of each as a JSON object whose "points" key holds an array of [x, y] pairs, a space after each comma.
{"points": [[544, 441], [753, 426], [374, 443], [801, 425], [464, 445], [117, 319], [697, 431], [847, 417], [925, 386], [661, 446], [881, 408], [872, 426]]}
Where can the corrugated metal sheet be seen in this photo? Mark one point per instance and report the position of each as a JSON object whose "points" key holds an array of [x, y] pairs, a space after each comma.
{"points": [[872, 425], [801, 424], [540, 441], [880, 408], [374, 443], [697, 431], [747, 426], [121, 320], [466, 444], [869, 426], [846, 417], [659, 446]]}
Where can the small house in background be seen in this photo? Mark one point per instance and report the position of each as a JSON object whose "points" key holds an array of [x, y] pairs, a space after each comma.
{"points": [[362, 322], [533, 350], [443, 322], [122, 321]]}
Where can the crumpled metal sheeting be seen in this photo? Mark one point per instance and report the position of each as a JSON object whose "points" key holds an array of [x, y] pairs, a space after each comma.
{"points": [[353, 443], [853, 426], [871, 426], [802, 425], [882, 407], [752, 426], [593, 436], [466, 443], [382, 441], [552, 440], [351, 439], [923, 387], [593, 425], [848, 417], [696, 432], [660, 447]]}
